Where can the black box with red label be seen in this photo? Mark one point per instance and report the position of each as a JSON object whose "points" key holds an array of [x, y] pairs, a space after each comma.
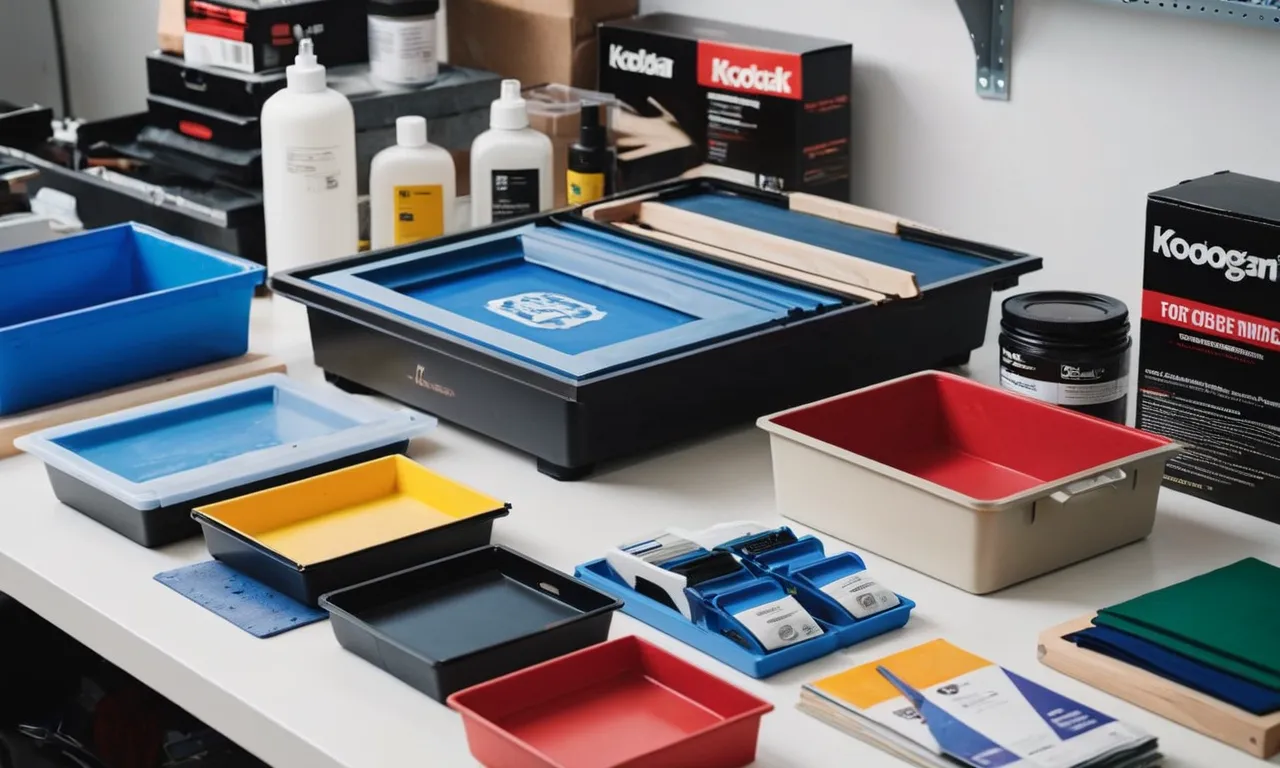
{"points": [[260, 35], [769, 108], [1209, 366]]}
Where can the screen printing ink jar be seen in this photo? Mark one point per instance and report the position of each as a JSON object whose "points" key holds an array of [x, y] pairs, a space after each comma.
{"points": [[402, 41], [1069, 349]]}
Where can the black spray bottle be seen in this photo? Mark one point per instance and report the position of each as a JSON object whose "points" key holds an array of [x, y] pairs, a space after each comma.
{"points": [[591, 161]]}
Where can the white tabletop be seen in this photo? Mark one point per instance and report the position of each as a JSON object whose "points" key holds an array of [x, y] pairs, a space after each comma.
{"points": [[300, 700]]}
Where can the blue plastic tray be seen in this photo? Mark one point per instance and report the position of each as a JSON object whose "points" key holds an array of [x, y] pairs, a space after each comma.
{"points": [[763, 578], [141, 470], [112, 306], [574, 301]]}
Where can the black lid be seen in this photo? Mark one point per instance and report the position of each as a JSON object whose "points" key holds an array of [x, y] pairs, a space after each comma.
{"points": [[591, 133], [1066, 313], [404, 7]]}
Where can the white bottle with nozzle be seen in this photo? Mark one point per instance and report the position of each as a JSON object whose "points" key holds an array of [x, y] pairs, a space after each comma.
{"points": [[412, 185], [308, 169], [510, 163]]}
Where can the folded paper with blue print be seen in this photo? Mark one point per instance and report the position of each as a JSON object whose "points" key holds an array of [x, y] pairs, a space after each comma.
{"points": [[571, 299]]}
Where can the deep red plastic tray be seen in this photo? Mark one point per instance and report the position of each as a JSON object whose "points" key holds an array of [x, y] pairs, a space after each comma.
{"points": [[977, 440], [621, 704]]}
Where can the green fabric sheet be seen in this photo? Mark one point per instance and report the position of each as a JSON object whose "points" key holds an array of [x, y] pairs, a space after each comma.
{"points": [[1226, 619]]}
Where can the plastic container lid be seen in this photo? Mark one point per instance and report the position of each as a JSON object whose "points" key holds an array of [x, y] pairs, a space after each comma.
{"points": [[411, 131], [404, 8], [364, 426], [305, 74], [1066, 314], [508, 112]]}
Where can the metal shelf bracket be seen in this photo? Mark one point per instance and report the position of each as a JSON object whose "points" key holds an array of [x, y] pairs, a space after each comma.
{"points": [[990, 24]]}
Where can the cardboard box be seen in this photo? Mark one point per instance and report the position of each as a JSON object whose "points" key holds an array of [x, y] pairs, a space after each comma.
{"points": [[260, 35], [771, 105], [534, 41], [1209, 365], [171, 26]]}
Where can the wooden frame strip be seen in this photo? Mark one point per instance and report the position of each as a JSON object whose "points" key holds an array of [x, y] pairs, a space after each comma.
{"points": [[749, 262], [1257, 735], [810, 259]]}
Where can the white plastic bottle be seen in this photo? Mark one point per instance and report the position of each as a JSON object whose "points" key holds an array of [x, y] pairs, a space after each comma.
{"points": [[411, 188], [510, 163], [308, 169]]}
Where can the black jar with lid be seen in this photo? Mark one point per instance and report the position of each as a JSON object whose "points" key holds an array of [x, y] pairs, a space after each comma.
{"points": [[1070, 349]]}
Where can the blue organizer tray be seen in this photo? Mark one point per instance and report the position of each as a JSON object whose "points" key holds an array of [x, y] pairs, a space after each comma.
{"points": [[113, 306], [572, 300], [798, 568], [142, 470]]}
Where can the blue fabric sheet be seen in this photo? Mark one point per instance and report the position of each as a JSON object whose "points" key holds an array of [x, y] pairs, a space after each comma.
{"points": [[1139, 653], [250, 605]]}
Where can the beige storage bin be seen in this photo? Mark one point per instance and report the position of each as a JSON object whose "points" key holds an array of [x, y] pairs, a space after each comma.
{"points": [[972, 485]]}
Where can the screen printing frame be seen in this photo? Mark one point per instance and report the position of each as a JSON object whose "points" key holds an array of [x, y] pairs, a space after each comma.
{"points": [[716, 309], [569, 426]]}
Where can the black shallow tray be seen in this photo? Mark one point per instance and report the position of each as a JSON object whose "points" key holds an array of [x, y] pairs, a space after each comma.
{"points": [[166, 525], [307, 584], [457, 622], [570, 426]]}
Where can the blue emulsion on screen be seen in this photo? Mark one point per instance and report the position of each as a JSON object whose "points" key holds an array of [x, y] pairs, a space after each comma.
{"points": [[930, 264], [201, 434], [554, 309]]}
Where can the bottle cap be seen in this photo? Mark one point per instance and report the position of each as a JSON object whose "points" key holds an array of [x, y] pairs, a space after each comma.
{"points": [[591, 133], [411, 131], [508, 112], [305, 74]]}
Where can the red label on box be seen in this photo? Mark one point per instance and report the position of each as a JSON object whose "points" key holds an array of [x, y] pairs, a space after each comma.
{"points": [[215, 28], [1223, 323], [750, 70], [214, 11]]}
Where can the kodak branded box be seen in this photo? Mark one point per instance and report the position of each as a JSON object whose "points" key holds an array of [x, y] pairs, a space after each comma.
{"points": [[1209, 364], [773, 107], [260, 35]]}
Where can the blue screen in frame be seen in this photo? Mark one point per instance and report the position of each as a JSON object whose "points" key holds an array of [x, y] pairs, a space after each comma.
{"points": [[553, 308]]}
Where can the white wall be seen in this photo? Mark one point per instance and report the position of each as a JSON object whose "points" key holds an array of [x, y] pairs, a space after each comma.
{"points": [[1109, 103], [106, 43]]}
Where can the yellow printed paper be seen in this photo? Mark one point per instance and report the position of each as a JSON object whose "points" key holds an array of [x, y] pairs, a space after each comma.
{"points": [[924, 666]]}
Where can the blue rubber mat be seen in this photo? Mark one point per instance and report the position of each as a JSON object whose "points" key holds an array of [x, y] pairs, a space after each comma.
{"points": [[930, 263], [251, 606]]}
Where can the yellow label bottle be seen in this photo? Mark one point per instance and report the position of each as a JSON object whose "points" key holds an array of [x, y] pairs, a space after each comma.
{"points": [[411, 188]]}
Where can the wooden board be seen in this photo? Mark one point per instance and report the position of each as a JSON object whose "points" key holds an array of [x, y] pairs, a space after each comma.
{"points": [[843, 268], [733, 258], [180, 383], [1259, 736]]}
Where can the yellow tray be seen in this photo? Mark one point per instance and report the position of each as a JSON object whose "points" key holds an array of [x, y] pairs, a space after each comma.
{"points": [[347, 526]]}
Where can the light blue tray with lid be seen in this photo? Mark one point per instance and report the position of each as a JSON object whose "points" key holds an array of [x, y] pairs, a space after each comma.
{"points": [[142, 470]]}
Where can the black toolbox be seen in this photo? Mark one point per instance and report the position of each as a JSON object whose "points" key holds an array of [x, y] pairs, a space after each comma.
{"points": [[571, 425]]}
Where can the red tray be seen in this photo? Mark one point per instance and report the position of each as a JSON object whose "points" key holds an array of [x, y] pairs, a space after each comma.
{"points": [[977, 440], [620, 704]]}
